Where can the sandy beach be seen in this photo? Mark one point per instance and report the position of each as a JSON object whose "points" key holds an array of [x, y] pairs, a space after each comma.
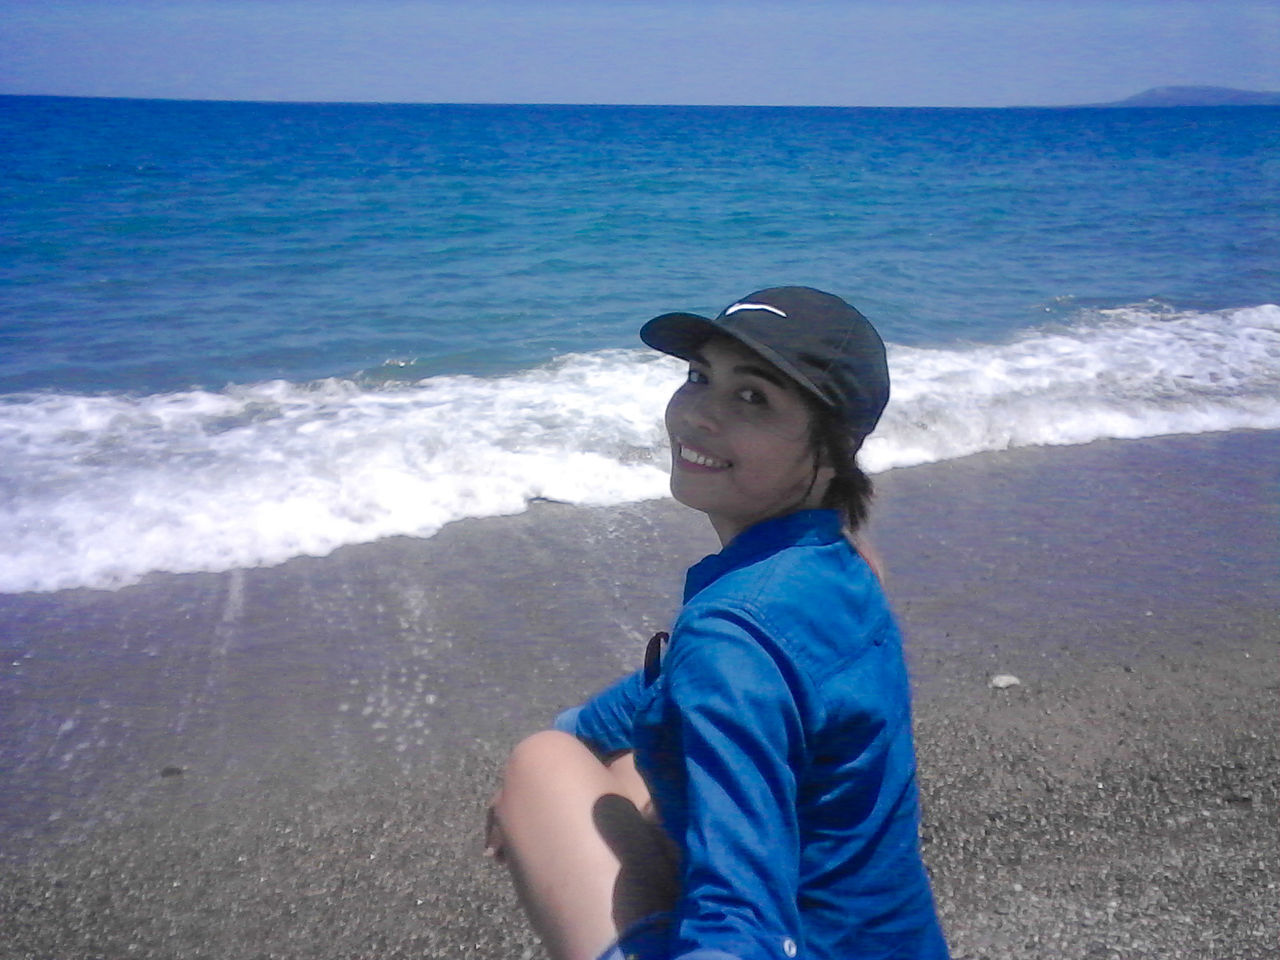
{"points": [[293, 761]]}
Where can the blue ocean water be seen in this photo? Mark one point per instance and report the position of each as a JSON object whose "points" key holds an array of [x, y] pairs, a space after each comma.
{"points": [[234, 333]]}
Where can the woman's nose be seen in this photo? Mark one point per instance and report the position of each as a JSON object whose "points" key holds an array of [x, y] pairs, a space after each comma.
{"points": [[701, 411]]}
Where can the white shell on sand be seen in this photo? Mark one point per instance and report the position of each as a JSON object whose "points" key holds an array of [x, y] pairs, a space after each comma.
{"points": [[1002, 680]]}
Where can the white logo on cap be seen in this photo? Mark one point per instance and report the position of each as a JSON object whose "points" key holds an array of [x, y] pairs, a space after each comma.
{"points": [[744, 305]]}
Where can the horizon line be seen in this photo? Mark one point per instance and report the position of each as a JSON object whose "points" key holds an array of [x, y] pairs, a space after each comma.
{"points": [[568, 103]]}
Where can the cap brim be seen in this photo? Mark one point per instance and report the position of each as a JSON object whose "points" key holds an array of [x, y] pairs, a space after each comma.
{"points": [[679, 334], [682, 334]]}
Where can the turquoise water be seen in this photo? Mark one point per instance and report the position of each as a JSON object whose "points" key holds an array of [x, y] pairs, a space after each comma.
{"points": [[234, 333]]}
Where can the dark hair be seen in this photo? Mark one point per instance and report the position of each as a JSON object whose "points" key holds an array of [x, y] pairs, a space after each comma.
{"points": [[850, 489]]}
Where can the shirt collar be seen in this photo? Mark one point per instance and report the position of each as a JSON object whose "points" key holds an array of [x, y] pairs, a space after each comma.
{"points": [[804, 527]]}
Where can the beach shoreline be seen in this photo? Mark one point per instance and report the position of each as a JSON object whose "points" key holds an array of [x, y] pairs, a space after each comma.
{"points": [[292, 761]]}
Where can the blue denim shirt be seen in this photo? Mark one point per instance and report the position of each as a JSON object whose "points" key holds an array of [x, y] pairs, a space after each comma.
{"points": [[776, 741]]}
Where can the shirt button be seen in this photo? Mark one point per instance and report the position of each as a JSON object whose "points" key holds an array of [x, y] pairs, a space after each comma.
{"points": [[789, 947]]}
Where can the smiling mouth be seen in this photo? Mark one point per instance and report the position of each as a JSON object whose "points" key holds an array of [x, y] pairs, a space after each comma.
{"points": [[699, 459]]}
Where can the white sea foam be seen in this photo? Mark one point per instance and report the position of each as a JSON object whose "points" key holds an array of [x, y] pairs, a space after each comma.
{"points": [[100, 490], [1127, 373]]}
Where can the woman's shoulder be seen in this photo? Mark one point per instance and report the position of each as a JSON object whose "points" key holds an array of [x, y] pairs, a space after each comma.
{"points": [[818, 602], [831, 571]]}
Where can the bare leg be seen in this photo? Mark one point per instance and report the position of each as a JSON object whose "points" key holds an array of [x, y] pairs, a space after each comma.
{"points": [[586, 860]]}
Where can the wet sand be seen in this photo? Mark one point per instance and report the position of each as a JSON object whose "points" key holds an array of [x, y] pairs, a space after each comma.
{"points": [[292, 762]]}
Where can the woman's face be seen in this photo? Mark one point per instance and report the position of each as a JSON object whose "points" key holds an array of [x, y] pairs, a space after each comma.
{"points": [[741, 447]]}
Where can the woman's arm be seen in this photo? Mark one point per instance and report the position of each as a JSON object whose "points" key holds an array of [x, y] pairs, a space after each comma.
{"points": [[738, 737], [605, 723]]}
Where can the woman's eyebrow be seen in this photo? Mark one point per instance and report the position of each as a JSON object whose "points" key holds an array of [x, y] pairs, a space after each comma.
{"points": [[764, 373], [748, 369]]}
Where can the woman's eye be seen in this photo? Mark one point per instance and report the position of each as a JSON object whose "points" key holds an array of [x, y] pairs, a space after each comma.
{"points": [[697, 376], [753, 397]]}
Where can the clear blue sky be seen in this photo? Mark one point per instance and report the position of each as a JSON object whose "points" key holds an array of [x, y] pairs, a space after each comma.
{"points": [[857, 53]]}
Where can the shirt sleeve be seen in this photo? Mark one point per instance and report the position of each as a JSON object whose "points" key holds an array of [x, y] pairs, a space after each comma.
{"points": [[739, 738], [606, 721]]}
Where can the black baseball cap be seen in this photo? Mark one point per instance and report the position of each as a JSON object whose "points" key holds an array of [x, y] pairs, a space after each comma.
{"points": [[817, 339]]}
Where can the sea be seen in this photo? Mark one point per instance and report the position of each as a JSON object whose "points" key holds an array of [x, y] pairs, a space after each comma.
{"points": [[236, 333]]}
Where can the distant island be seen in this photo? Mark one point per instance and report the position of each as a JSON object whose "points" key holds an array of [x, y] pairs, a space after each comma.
{"points": [[1196, 97]]}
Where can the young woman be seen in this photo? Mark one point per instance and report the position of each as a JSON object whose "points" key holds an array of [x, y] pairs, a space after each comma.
{"points": [[751, 793]]}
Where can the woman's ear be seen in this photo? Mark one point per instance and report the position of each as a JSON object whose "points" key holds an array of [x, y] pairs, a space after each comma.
{"points": [[824, 471]]}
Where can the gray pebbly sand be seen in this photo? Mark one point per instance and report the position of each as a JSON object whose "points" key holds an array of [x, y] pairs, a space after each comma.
{"points": [[338, 722]]}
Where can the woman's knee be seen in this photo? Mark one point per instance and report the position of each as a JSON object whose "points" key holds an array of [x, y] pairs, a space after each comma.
{"points": [[543, 762], [536, 755]]}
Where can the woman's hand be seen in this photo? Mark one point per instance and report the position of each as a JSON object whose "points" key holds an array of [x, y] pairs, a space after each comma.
{"points": [[493, 839]]}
